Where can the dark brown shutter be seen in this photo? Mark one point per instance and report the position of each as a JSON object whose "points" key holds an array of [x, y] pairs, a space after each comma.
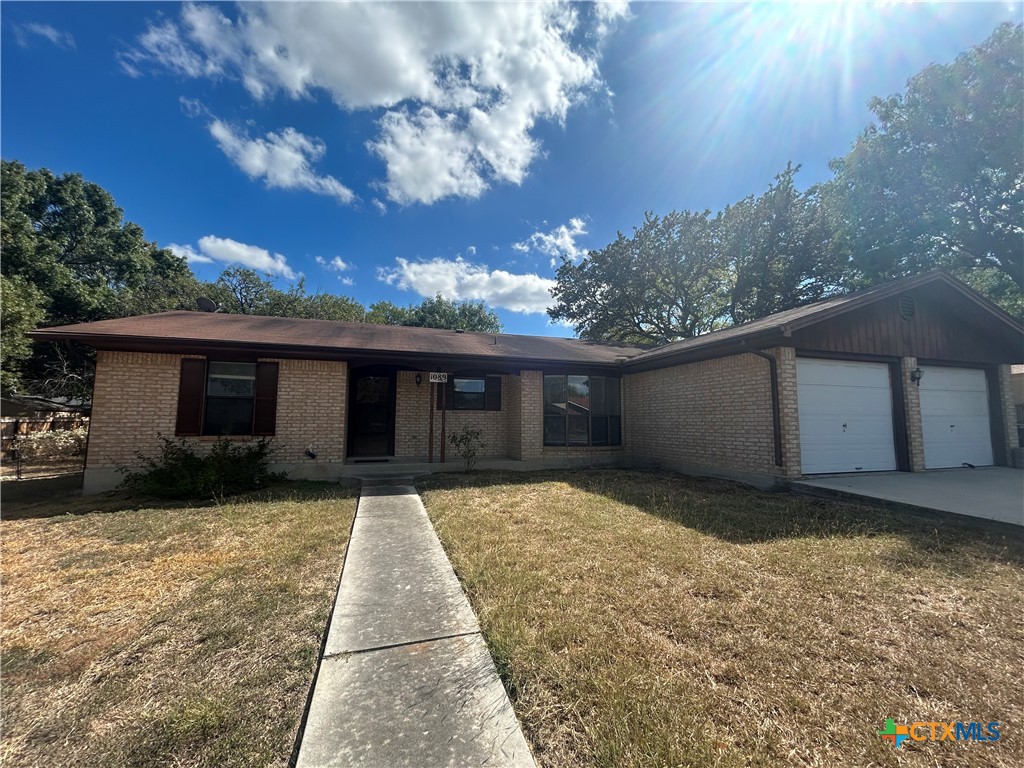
{"points": [[449, 394], [264, 412], [492, 393], [191, 388]]}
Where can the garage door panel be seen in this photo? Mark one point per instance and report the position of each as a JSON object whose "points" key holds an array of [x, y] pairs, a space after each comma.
{"points": [[955, 417], [845, 416], [959, 404]]}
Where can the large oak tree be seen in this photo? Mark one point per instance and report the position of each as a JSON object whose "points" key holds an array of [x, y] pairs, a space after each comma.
{"points": [[67, 239], [938, 180]]}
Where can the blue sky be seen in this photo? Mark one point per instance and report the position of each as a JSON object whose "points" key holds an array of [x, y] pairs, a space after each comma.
{"points": [[394, 151]]}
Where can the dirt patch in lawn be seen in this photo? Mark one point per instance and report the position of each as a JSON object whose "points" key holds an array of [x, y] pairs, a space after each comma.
{"points": [[646, 619], [143, 634]]}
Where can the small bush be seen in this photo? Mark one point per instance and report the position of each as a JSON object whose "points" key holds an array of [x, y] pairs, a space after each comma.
{"points": [[55, 444], [467, 444], [180, 473]]}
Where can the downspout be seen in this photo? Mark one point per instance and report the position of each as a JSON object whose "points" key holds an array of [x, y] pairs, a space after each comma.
{"points": [[773, 367]]}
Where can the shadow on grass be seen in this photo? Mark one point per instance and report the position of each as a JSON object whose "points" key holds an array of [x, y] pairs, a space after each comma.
{"points": [[58, 496], [739, 514], [17, 494]]}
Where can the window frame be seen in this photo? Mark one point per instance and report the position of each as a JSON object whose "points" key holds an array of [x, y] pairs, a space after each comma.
{"points": [[491, 395], [482, 399], [610, 412], [212, 400], [194, 399]]}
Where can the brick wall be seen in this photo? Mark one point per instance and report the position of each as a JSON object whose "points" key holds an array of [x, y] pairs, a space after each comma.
{"points": [[514, 389], [136, 397], [412, 421], [912, 409], [312, 400], [412, 416], [531, 415], [1009, 414], [789, 410], [713, 413]]}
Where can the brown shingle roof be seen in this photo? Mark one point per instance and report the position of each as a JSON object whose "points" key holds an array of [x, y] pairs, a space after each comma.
{"points": [[184, 331], [198, 329]]}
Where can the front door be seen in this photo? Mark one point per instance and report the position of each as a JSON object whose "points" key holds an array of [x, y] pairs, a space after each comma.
{"points": [[372, 430]]}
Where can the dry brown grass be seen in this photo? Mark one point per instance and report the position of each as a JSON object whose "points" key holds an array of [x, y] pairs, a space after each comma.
{"points": [[643, 619], [142, 634]]}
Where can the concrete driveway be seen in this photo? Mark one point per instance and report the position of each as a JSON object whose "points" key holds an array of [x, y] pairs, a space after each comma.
{"points": [[993, 493]]}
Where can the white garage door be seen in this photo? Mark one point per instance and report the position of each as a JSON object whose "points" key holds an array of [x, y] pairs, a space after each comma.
{"points": [[845, 416], [954, 415]]}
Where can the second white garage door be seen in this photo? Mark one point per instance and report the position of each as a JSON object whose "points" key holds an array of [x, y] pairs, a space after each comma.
{"points": [[845, 416], [954, 417]]}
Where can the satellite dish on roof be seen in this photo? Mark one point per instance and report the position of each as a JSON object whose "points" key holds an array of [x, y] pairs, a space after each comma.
{"points": [[207, 305]]}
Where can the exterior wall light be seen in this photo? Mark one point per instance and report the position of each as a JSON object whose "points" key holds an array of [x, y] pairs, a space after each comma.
{"points": [[419, 379], [915, 376]]}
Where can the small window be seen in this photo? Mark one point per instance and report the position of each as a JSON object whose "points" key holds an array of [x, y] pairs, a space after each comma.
{"points": [[221, 398], [582, 410], [469, 394], [230, 388]]}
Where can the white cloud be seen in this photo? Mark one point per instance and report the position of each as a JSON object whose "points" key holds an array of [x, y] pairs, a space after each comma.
{"points": [[471, 250], [282, 159], [461, 86], [190, 254], [558, 242], [428, 157], [60, 38], [460, 280], [336, 264], [609, 13], [380, 206], [347, 281], [228, 251]]}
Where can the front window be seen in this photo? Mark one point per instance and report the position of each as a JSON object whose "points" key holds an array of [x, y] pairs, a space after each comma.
{"points": [[469, 394], [230, 394], [582, 410]]}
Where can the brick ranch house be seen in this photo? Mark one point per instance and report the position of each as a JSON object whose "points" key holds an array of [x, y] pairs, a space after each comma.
{"points": [[907, 376]]}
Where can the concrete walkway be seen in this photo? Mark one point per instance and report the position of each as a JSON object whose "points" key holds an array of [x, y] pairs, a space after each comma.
{"points": [[406, 679], [992, 493]]}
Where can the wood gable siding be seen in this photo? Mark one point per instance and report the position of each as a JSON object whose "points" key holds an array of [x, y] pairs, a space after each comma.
{"points": [[945, 326]]}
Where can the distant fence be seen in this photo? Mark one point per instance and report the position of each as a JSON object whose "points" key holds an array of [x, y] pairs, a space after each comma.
{"points": [[15, 426]]}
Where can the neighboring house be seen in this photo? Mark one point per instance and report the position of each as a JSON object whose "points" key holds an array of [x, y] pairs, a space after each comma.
{"points": [[907, 376]]}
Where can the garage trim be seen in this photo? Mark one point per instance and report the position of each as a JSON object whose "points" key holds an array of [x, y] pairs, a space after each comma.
{"points": [[899, 398], [995, 406]]}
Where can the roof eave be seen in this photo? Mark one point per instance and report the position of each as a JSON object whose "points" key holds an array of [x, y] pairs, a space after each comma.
{"points": [[165, 345], [737, 345]]}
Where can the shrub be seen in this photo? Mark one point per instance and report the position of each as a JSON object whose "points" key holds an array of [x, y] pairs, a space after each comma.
{"points": [[55, 444], [178, 472], [467, 444]]}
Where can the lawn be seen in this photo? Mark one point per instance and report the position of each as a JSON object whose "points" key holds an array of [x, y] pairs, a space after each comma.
{"points": [[150, 634], [644, 619]]}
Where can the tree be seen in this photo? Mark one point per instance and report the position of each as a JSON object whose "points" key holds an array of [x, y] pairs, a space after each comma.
{"points": [[66, 238], [387, 313], [437, 312], [783, 250], [668, 281], [242, 291], [21, 310], [939, 180]]}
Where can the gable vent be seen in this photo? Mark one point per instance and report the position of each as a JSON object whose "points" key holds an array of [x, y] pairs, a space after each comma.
{"points": [[907, 307]]}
